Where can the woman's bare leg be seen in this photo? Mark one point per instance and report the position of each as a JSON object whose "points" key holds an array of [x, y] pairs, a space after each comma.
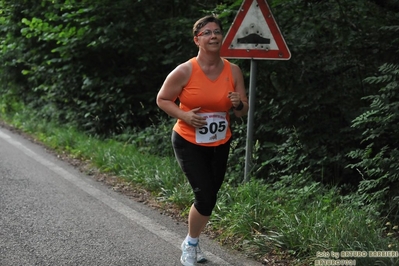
{"points": [[196, 222]]}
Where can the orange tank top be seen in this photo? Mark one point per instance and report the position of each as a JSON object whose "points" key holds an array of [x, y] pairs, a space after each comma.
{"points": [[211, 96]]}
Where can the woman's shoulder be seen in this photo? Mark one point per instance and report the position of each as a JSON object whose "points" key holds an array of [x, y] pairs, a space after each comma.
{"points": [[184, 69], [235, 69], [226, 61], [182, 73]]}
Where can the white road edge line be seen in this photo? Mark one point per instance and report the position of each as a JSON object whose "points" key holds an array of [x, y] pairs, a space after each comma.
{"points": [[123, 209]]}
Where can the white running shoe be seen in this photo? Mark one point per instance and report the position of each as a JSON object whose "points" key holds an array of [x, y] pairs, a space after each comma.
{"points": [[189, 254], [200, 255]]}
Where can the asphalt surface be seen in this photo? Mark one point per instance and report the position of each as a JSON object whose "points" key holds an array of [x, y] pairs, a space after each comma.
{"points": [[52, 214]]}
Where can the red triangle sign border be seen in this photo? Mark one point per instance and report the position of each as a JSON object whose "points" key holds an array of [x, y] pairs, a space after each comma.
{"points": [[227, 51]]}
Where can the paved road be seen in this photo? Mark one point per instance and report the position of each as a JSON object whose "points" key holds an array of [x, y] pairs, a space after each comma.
{"points": [[52, 214]]}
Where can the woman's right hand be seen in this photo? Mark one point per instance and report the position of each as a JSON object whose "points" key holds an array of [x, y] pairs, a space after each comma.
{"points": [[193, 119]]}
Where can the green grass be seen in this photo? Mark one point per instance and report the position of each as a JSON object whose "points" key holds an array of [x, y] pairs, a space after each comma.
{"points": [[289, 219], [261, 219]]}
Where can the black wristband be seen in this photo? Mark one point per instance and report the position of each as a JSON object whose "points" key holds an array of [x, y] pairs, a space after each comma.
{"points": [[239, 107]]}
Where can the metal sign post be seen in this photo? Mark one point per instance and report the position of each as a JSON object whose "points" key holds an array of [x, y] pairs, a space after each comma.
{"points": [[250, 122]]}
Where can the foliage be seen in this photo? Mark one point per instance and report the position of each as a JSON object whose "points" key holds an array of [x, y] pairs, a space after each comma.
{"points": [[377, 160], [88, 63], [306, 104], [154, 139]]}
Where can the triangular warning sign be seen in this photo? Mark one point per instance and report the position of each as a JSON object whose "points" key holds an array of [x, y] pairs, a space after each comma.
{"points": [[254, 34]]}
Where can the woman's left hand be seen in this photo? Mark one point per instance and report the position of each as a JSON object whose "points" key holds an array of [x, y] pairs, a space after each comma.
{"points": [[235, 98]]}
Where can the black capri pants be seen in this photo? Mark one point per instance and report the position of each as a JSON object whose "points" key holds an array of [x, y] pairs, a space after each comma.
{"points": [[204, 167]]}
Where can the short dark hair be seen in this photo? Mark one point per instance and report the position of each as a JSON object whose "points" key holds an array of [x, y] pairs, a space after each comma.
{"points": [[205, 20]]}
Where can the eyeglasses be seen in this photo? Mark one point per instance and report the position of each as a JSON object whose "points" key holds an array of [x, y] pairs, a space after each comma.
{"points": [[208, 33]]}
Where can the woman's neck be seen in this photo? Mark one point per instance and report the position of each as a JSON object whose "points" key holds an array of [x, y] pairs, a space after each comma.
{"points": [[208, 60]]}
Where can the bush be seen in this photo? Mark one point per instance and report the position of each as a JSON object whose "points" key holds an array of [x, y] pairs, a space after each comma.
{"points": [[378, 160]]}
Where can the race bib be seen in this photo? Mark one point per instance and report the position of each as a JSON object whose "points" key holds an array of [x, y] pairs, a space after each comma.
{"points": [[215, 129]]}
